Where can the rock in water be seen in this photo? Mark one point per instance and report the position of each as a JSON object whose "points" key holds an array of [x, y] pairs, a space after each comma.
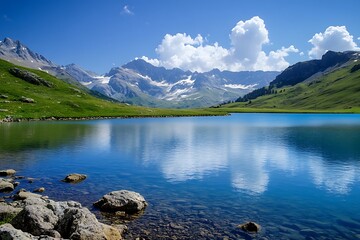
{"points": [[58, 220], [123, 200], [251, 227], [6, 186], [74, 178], [7, 172], [40, 190]]}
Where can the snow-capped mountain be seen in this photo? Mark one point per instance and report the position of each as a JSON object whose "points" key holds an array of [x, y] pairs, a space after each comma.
{"points": [[138, 82]]}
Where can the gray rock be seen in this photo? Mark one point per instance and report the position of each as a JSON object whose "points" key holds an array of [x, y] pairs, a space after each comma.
{"points": [[7, 172], [6, 186], [61, 220], [251, 227], [7, 211], [21, 195], [27, 100], [8, 232], [80, 223], [37, 220], [123, 200], [74, 178], [29, 77]]}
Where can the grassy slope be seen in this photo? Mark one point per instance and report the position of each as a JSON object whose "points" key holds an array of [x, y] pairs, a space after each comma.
{"points": [[65, 100], [336, 91]]}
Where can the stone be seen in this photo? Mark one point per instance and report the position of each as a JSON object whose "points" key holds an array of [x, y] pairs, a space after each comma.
{"points": [[123, 200], [40, 190], [74, 178], [29, 77], [80, 223], [7, 172], [27, 100], [251, 227], [7, 211], [6, 186], [47, 219], [8, 232], [37, 220], [21, 195]]}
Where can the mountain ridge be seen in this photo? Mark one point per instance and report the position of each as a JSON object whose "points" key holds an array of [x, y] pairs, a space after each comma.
{"points": [[140, 83], [302, 71]]}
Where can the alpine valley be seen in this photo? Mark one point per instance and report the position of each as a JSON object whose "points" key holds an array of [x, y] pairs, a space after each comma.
{"points": [[140, 83]]}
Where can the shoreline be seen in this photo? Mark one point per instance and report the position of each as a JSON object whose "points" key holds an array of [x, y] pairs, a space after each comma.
{"points": [[216, 114]]}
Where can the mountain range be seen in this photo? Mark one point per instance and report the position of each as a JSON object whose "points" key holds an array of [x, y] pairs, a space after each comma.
{"points": [[140, 83]]}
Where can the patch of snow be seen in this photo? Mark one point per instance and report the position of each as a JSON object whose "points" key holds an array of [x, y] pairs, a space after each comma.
{"points": [[43, 70], [178, 93], [186, 81], [155, 83], [103, 79], [355, 60], [86, 83], [240, 86], [31, 61]]}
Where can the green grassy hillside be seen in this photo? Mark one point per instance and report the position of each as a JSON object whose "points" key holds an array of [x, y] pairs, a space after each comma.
{"points": [[59, 99], [335, 91]]}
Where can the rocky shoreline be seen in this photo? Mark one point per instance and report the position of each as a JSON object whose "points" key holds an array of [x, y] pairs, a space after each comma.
{"points": [[10, 119], [29, 216]]}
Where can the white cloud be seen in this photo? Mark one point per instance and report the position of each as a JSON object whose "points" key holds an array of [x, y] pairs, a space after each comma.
{"points": [[335, 38], [247, 39], [126, 10]]}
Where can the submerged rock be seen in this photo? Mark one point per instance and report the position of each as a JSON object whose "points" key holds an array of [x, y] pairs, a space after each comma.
{"points": [[123, 200], [251, 227], [7, 172], [40, 190], [74, 178]]}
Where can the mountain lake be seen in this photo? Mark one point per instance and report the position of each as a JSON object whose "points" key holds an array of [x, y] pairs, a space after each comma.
{"points": [[297, 175]]}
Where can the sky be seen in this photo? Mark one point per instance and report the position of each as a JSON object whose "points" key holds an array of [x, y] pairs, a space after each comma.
{"points": [[196, 35]]}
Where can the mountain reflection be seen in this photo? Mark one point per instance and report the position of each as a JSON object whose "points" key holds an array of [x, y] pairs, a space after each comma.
{"points": [[246, 152], [188, 150]]}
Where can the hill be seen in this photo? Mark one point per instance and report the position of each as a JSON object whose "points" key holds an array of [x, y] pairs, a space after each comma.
{"points": [[34, 94], [336, 89]]}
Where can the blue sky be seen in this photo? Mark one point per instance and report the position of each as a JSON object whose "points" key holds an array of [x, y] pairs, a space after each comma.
{"points": [[190, 34]]}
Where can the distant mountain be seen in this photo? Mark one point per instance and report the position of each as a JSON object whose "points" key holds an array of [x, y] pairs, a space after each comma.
{"points": [[140, 83], [332, 83], [302, 71]]}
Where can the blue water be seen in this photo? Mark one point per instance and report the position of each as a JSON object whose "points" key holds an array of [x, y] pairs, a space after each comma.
{"points": [[297, 175]]}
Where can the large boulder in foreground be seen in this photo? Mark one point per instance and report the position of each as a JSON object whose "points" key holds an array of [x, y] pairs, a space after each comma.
{"points": [[123, 200], [8, 232], [58, 220], [74, 178]]}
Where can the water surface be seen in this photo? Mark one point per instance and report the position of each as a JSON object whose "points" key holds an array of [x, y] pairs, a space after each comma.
{"points": [[297, 175]]}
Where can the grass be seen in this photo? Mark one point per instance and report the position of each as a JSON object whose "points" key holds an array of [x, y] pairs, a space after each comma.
{"points": [[335, 92], [68, 101]]}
